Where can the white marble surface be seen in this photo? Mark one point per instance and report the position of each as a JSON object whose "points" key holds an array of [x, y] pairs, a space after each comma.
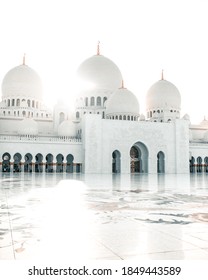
{"points": [[103, 217]]}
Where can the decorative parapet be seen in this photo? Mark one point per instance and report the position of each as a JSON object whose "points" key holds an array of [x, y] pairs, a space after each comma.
{"points": [[40, 139]]}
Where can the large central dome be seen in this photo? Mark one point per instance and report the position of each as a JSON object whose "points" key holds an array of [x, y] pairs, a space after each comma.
{"points": [[100, 72]]}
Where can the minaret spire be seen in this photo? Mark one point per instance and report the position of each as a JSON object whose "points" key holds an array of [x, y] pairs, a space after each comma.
{"points": [[98, 48], [162, 76], [23, 62]]}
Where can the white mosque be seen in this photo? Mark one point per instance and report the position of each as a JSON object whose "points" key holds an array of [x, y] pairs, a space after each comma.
{"points": [[107, 133]]}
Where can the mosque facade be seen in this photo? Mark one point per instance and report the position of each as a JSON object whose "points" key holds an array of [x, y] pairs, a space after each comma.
{"points": [[106, 134]]}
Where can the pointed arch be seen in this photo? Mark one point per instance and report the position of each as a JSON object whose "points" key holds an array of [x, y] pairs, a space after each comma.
{"points": [[39, 163], [28, 163], [139, 158], [199, 164], [192, 165], [206, 164], [59, 163], [70, 163], [17, 162], [6, 162], [160, 162], [49, 163], [116, 162]]}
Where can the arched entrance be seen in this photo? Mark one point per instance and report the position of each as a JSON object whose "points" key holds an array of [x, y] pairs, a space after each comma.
{"points": [[160, 162], [199, 164], [39, 163], [59, 163], [49, 163], [69, 164], [206, 164], [17, 162], [192, 165], [28, 163], [139, 158], [6, 162], [116, 162]]}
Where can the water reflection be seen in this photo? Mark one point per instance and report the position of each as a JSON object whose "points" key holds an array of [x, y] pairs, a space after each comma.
{"points": [[117, 216]]}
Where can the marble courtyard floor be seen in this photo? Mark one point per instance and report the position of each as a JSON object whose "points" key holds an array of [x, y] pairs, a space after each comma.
{"points": [[103, 217]]}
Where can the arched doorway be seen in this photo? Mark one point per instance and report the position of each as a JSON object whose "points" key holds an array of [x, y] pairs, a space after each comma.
{"points": [[17, 162], [116, 162], [199, 164], [69, 164], [28, 163], [38, 163], [206, 164], [6, 162], [192, 165], [160, 162], [49, 163], [59, 163], [139, 158]]}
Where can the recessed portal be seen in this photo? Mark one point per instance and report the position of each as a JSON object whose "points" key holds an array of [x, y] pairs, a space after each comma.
{"points": [[116, 162], [139, 158], [160, 162]]}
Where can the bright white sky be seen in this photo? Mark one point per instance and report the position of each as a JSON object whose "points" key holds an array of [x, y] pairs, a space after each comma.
{"points": [[141, 36]]}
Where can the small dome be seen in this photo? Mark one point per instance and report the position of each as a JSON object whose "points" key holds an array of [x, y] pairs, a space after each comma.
{"points": [[186, 117], [142, 117], [67, 128], [204, 123], [22, 81], [163, 95], [28, 127], [122, 101], [99, 72]]}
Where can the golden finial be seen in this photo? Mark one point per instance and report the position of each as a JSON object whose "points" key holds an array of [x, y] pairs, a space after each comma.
{"points": [[23, 63], [122, 84], [162, 76], [98, 48]]}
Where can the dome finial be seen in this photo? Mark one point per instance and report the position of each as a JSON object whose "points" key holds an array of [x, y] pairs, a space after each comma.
{"points": [[122, 84], [162, 76], [98, 48], [23, 62]]}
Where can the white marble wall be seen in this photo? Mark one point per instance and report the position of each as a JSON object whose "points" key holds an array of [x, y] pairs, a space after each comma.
{"points": [[101, 137]]}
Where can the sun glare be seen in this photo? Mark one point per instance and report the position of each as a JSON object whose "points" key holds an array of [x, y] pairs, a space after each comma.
{"points": [[64, 218]]}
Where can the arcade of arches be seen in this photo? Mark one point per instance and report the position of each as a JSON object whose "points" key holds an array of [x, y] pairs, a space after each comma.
{"points": [[38, 164], [198, 164], [138, 160]]}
